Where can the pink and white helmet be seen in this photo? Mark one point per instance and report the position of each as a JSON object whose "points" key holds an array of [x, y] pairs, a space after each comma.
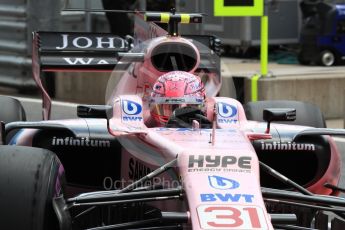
{"points": [[174, 90]]}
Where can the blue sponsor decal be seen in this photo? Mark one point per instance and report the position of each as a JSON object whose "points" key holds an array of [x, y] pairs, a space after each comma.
{"points": [[227, 121], [193, 130], [132, 118], [222, 183], [131, 107], [227, 197], [226, 110]]}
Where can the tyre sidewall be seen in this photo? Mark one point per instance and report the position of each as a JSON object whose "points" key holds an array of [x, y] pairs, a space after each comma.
{"points": [[29, 179]]}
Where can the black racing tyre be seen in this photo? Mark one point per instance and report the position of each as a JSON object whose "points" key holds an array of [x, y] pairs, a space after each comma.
{"points": [[29, 179], [307, 114]]}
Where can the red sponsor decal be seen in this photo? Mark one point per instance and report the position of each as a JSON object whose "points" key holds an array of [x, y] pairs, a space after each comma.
{"points": [[231, 217]]}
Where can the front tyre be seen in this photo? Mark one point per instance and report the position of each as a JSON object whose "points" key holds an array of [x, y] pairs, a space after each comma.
{"points": [[29, 179]]}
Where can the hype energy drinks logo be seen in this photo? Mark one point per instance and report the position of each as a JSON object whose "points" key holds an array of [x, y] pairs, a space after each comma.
{"points": [[218, 163], [132, 111], [227, 114]]}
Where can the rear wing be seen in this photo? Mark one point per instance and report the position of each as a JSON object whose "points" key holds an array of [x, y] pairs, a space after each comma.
{"points": [[101, 52], [90, 52], [61, 51]]}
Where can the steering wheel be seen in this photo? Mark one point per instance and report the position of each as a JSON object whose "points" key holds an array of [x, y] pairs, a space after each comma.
{"points": [[183, 118]]}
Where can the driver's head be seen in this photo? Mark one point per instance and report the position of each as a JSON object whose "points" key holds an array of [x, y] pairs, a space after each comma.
{"points": [[175, 90]]}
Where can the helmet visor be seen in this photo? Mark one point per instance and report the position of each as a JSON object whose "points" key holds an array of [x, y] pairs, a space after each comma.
{"points": [[163, 107]]}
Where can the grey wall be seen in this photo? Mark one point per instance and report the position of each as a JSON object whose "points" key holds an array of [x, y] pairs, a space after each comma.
{"points": [[18, 18]]}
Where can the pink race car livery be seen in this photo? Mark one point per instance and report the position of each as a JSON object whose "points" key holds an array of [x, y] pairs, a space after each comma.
{"points": [[222, 166]]}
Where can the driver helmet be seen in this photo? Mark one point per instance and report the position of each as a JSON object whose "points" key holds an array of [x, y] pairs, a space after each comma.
{"points": [[174, 90]]}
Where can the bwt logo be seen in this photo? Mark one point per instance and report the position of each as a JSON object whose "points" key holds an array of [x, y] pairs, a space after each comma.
{"points": [[222, 183], [228, 197], [131, 108], [226, 110]]}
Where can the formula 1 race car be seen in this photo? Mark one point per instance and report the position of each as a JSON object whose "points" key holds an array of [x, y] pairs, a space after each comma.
{"points": [[165, 152]]}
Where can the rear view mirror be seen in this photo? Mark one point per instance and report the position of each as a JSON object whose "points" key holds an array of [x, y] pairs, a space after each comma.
{"points": [[94, 111], [278, 114]]}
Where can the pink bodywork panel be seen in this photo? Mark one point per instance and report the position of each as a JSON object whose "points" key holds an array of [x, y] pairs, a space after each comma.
{"points": [[220, 175], [231, 154]]}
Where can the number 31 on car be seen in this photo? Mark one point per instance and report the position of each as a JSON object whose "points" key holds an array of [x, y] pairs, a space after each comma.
{"points": [[231, 217]]}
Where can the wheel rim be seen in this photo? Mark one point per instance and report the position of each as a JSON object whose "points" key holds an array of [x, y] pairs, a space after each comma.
{"points": [[328, 58]]}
